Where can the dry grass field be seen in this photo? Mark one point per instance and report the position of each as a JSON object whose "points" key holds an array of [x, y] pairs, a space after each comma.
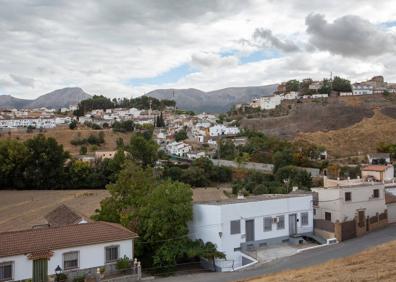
{"points": [[23, 209], [375, 264], [358, 139], [64, 135]]}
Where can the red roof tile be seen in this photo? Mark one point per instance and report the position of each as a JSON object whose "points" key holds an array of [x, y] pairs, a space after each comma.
{"points": [[53, 238]]}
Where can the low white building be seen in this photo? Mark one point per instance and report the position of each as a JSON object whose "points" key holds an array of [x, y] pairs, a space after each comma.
{"points": [[195, 155], [380, 173], [76, 249], [270, 102], [26, 122], [379, 158], [236, 224], [179, 149], [220, 130], [362, 89]]}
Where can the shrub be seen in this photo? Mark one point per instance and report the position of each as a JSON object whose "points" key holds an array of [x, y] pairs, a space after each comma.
{"points": [[122, 263], [79, 279], [73, 124]]}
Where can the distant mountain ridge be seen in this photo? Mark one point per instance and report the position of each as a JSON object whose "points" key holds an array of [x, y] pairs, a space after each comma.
{"points": [[213, 101], [56, 99]]}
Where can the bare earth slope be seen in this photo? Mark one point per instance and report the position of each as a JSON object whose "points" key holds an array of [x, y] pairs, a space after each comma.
{"points": [[375, 264]]}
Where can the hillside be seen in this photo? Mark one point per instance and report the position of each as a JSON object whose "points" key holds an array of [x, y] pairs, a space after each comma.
{"points": [[346, 126], [375, 264], [213, 101], [55, 99]]}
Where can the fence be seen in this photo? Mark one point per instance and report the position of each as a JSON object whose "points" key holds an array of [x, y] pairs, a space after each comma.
{"points": [[324, 225]]}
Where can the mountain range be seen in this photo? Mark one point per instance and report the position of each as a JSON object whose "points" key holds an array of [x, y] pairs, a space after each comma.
{"points": [[55, 99], [188, 99], [213, 101]]}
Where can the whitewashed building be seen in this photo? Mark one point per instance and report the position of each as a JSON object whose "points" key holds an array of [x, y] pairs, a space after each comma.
{"points": [[270, 102], [26, 122], [380, 173], [179, 149], [362, 89], [220, 129], [76, 249], [236, 224]]}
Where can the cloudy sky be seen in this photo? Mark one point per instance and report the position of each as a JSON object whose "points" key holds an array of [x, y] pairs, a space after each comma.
{"points": [[126, 48]]}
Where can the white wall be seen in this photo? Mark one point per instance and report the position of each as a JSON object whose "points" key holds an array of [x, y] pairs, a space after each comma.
{"points": [[89, 257], [333, 200], [209, 220]]}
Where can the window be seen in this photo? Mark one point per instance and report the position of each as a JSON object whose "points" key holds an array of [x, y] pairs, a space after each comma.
{"points": [[235, 227], [6, 271], [314, 211], [281, 222], [267, 224], [328, 216], [348, 196], [70, 260], [375, 193], [304, 218], [112, 253]]}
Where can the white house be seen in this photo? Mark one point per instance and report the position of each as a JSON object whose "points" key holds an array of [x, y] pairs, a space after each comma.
{"points": [[362, 89], [236, 224], [379, 158], [26, 122], [220, 129], [195, 155], [75, 248], [179, 149], [361, 205], [270, 102], [380, 173]]}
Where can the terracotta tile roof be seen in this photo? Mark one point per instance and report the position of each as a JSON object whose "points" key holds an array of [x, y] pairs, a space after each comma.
{"points": [[53, 238], [62, 215], [375, 168]]}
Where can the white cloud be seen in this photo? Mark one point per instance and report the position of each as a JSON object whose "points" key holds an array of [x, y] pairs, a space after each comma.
{"points": [[100, 45]]}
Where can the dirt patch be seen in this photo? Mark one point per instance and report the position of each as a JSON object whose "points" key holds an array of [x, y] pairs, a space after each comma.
{"points": [[359, 139], [64, 135], [375, 264], [23, 209]]}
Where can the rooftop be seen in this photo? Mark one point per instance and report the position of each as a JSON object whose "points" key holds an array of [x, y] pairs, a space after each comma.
{"points": [[375, 167], [258, 198], [32, 241], [62, 215]]}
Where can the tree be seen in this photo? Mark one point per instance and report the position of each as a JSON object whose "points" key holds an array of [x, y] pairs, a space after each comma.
{"points": [[282, 158], [83, 150], [181, 135], [160, 121], [326, 87], [294, 176], [226, 150], [123, 126], [292, 85], [13, 155], [45, 162], [143, 150], [73, 124], [341, 85]]}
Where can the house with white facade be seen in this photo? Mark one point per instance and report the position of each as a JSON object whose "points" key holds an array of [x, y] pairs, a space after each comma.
{"points": [[28, 122], [234, 225], [220, 130], [379, 173], [362, 89], [379, 158], [179, 149], [348, 211], [76, 249], [270, 102]]}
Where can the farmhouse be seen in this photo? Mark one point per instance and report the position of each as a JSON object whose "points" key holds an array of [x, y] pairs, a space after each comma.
{"points": [[234, 225], [77, 249]]}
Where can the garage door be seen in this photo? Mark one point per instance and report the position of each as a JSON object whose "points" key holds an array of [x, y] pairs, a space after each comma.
{"points": [[392, 212]]}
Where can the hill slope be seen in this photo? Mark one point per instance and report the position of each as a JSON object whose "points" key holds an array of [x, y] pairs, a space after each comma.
{"points": [[214, 101], [55, 99]]}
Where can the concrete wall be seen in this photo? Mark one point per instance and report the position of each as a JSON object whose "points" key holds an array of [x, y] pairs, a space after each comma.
{"points": [[89, 257], [391, 212]]}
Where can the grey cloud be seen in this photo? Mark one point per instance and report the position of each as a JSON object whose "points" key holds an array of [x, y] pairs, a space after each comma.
{"points": [[348, 36], [24, 81], [265, 38]]}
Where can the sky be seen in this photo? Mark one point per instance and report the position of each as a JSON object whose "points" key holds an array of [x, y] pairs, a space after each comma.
{"points": [[127, 48]]}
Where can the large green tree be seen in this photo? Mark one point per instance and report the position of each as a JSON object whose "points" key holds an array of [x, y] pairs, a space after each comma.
{"points": [[13, 155], [143, 150]]}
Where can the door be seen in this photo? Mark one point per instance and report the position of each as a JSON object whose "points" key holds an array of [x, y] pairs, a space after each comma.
{"points": [[249, 228], [292, 224], [40, 270]]}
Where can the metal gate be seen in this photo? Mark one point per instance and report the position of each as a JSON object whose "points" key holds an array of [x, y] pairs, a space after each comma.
{"points": [[40, 270]]}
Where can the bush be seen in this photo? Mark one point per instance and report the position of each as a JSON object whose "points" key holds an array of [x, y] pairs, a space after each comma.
{"points": [[79, 279], [123, 126], [122, 263], [73, 124]]}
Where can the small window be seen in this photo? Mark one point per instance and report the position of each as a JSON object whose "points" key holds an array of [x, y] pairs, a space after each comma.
{"points": [[112, 253], [314, 211], [235, 227], [70, 260], [375, 193], [348, 196], [304, 218], [267, 224], [281, 222], [6, 271], [328, 216]]}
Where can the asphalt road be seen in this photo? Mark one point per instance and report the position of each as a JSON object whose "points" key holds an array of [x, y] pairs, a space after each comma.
{"points": [[303, 259]]}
